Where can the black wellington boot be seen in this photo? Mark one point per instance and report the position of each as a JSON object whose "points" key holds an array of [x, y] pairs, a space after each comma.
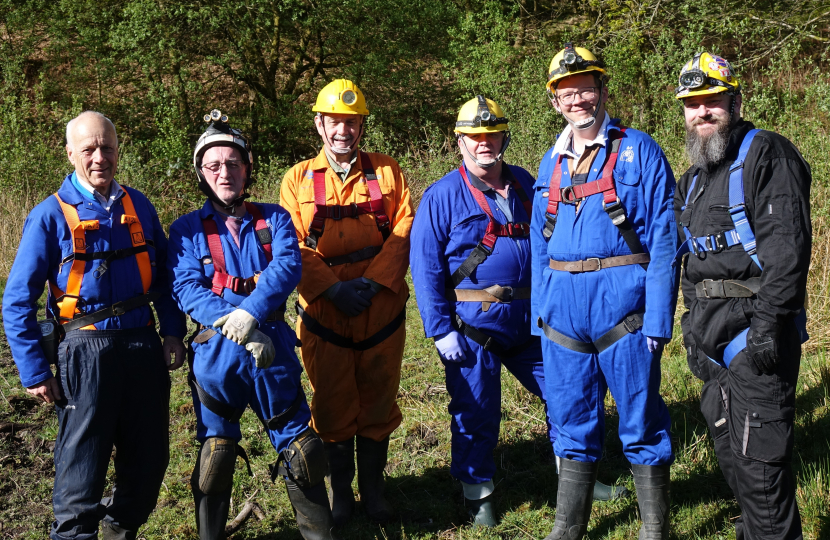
{"points": [[311, 508], [653, 496], [371, 460], [573, 499], [110, 531], [341, 473], [211, 513]]}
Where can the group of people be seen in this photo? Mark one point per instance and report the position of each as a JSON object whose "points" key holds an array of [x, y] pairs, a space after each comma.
{"points": [[569, 280]]}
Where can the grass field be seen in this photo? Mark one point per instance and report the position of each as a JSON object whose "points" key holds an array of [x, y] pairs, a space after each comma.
{"points": [[428, 500]]}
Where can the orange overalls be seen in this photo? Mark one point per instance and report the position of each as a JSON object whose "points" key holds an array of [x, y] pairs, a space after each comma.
{"points": [[354, 391]]}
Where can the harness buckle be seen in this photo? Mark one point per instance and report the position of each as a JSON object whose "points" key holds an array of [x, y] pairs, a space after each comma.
{"points": [[599, 263], [719, 242], [568, 196], [118, 309], [335, 213], [615, 212]]}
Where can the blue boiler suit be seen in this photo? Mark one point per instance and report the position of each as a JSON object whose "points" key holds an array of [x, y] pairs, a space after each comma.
{"points": [[224, 369], [115, 388], [584, 306], [448, 225]]}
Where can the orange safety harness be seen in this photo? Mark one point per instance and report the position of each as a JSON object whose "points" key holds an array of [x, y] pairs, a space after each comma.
{"points": [[494, 231], [67, 301], [221, 279], [338, 212], [604, 185]]}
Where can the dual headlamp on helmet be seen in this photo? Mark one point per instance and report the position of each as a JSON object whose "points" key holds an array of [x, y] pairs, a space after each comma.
{"points": [[220, 133], [482, 115]]}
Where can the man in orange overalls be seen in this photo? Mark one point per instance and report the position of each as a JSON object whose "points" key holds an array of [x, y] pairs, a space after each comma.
{"points": [[352, 212]]}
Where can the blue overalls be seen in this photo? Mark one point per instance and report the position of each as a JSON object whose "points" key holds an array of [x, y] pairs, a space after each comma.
{"points": [[448, 225], [114, 382], [584, 306], [224, 369]]}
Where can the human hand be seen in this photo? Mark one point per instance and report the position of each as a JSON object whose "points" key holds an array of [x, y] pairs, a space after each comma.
{"points": [[450, 346], [349, 296], [236, 325], [655, 344], [173, 346], [762, 351], [261, 346], [49, 390]]}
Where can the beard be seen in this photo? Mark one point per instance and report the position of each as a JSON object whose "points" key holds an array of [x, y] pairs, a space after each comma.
{"points": [[708, 149]]}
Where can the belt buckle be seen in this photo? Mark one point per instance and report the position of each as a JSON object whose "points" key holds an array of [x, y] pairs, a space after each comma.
{"points": [[706, 283], [118, 309], [336, 210], [510, 297], [599, 263]]}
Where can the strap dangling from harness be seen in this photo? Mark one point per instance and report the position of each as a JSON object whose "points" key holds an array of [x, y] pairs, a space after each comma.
{"points": [[494, 229], [337, 212]]}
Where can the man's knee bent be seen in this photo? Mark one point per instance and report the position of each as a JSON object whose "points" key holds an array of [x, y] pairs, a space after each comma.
{"points": [[305, 457]]}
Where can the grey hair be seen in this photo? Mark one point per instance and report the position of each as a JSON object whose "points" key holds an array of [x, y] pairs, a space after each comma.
{"points": [[71, 123]]}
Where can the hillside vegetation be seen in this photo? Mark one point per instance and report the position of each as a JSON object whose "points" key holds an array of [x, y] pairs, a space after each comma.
{"points": [[155, 67]]}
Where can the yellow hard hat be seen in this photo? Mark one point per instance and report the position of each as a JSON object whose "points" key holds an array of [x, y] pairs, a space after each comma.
{"points": [[341, 96], [573, 61], [480, 115], [706, 74]]}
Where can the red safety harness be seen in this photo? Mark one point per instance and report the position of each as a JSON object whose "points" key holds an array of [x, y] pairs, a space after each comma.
{"points": [[494, 230], [221, 279], [604, 185], [338, 212]]}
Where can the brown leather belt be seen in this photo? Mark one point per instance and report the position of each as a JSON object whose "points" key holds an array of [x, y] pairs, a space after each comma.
{"points": [[728, 288], [595, 264], [494, 293]]}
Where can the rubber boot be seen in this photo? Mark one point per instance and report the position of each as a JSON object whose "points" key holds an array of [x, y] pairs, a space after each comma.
{"points": [[480, 503], [110, 531], [311, 509], [573, 499], [211, 513], [371, 460], [653, 496], [604, 492], [341, 473]]}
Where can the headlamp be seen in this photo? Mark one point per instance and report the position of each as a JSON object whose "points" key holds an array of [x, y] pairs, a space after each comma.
{"points": [[216, 116], [693, 79], [348, 97]]}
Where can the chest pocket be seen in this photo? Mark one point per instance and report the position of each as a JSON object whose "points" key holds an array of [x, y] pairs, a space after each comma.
{"points": [[717, 216], [627, 174]]}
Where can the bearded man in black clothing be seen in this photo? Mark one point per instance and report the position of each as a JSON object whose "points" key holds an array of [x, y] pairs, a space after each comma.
{"points": [[743, 209]]}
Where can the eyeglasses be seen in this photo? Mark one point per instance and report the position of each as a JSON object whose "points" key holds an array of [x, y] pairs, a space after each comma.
{"points": [[587, 94], [232, 166]]}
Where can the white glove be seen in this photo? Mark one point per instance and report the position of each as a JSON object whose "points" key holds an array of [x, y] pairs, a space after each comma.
{"points": [[450, 346], [262, 348], [236, 325]]}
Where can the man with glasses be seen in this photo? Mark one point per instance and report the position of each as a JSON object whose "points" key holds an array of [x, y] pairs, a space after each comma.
{"points": [[101, 250], [352, 213], [233, 264], [744, 210], [603, 293]]}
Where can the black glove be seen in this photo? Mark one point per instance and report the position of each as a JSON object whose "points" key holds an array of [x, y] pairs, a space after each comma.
{"points": [[762, 350], [347, 297]]}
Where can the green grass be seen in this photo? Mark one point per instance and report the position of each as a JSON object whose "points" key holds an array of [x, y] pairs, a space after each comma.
{"points": [[429, 501]]}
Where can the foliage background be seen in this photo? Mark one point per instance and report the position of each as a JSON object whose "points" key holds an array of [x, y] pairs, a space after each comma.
{"points": [[156, 66]]}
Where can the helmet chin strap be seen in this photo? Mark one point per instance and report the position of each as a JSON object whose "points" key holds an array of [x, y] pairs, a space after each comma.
{"points": [[228, 207], [588, 122], [499, 157]]}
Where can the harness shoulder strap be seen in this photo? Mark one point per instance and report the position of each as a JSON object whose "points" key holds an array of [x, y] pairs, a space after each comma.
{"points": [[263, 232], [68, 300], [130, 218], [376, 195], [318, 220], [737, 206], [217, 255]]}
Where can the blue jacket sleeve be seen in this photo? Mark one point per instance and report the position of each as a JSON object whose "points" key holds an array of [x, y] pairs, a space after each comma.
{"points": [[38, 252], [429, 238], [538, 245], [661, 243], [171, 321], [283, 272]]}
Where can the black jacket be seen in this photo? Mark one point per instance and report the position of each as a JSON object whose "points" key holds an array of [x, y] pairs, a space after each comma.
{"points": [[777, 192]]}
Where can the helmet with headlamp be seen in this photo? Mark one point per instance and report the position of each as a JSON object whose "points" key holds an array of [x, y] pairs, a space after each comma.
{"points": [[220, 133], [482, 115], [572, 61], [707, 74], [341, 96]]}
